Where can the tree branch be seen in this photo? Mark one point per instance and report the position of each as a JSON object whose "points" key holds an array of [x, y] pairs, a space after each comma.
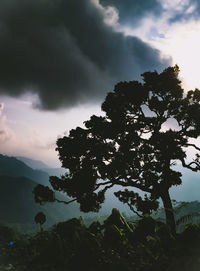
{"points": [[134, 184], [108, 186], [65, 202], [142, 112], [99, 184], [133, 210], [193, 145], [189, 165]]}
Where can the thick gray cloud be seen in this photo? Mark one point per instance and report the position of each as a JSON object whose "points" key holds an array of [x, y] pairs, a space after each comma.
{"points": [[63, 51]]}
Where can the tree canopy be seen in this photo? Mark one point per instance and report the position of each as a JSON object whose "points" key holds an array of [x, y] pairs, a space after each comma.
{"points": [[147, 128], [40, 218]]}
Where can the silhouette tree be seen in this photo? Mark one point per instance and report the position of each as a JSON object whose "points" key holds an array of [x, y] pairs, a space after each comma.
{"points": [[40, 218], [148, 127]]}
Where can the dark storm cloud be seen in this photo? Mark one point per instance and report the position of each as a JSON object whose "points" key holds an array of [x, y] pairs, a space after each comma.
{"points": [[63, 51], [131, 11]]}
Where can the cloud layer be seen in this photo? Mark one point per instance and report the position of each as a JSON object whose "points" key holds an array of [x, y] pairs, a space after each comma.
{"points": [[67, 51], [131, 11], [5, 132]]}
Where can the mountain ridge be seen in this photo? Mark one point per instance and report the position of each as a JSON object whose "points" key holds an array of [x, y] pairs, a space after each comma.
{"points": [[13, 167], [17, 205], [40, 165]]}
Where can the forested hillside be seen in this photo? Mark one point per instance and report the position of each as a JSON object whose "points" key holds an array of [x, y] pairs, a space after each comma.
{"points": [[112, 245]]}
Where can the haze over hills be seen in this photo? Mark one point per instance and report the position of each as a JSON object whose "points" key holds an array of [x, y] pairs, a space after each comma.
{"points": [[18, 177], [10, 166], [17, 180], [39, 165], [17, 205], [34, 164]]}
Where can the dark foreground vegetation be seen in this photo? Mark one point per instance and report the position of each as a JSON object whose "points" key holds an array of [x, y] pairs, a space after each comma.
{"points": [[114, 245]]}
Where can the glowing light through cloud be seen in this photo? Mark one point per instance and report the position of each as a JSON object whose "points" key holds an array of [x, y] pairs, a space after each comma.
{"points": [[182, 42], [175, 38], [178, 39]]}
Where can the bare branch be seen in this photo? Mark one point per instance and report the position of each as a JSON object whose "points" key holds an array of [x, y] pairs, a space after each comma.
{"points": [[193, 145], [133, 184], [195, 163], [65, 202], [133, 210], [189, 166], [142, 112], [128, 182], [108, 186], [100, 184]]}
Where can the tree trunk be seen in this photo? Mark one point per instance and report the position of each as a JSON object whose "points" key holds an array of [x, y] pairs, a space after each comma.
{"points": [[169, 213]]}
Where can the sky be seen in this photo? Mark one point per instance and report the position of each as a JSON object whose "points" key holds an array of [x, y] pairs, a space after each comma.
{"points": [[59, 58]]}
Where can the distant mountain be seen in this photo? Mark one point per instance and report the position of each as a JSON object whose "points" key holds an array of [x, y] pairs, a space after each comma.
{"points": [[18, 179], [17, 203], [55, 171], [10, 166], [34, 164], [187, 212], [39, 165]]}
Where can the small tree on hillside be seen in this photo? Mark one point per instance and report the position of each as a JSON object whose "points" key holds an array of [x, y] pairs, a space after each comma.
{"points": [[147, 127], [40, 218]]}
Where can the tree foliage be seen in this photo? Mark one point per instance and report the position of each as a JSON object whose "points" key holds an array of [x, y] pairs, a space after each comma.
{"points": [[40, 218], [148, 126]]}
